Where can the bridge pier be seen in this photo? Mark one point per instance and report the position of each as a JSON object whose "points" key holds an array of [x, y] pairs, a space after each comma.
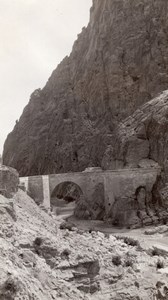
{"points": [[46, 191]]}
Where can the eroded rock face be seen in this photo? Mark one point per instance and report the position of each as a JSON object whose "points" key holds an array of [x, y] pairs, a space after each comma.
{"points": [[7, 217], [141, 140], [118, 63], [9, 180]]}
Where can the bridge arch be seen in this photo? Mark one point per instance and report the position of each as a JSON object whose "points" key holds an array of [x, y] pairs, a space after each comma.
{"points": [[64, 197]]}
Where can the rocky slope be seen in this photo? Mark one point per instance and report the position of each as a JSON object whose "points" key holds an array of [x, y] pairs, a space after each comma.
{"points": [[118, 63], [39, 261]]}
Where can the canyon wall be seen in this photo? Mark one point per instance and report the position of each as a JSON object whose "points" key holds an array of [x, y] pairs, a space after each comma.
{"points": [[118, 63]]}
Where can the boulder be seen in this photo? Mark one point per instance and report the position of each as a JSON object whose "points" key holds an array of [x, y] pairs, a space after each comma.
{"points": [[9, 181]]}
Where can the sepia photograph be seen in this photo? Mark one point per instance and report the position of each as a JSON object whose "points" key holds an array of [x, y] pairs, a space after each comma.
{"points": [[84, 150]]}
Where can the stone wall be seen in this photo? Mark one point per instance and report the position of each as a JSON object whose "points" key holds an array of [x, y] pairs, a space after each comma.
{"points": [[125, 197]]}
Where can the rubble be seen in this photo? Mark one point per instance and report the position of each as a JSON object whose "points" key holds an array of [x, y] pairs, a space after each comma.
{"points": [[40, 261]]}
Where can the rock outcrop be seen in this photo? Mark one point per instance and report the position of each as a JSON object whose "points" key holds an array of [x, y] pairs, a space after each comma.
{"points": [[118, 63], [9, 181], [141, 141]]}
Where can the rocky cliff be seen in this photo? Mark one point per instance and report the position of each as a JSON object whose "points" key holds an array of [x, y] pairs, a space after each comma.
{"points": [[141, 140], [118, 63]]}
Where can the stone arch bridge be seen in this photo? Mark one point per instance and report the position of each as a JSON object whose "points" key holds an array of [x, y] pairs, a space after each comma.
{"points": [[117, 184]]}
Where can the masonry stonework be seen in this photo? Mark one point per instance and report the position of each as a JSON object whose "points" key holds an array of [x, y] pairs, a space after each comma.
{"points": [[105, 194]]}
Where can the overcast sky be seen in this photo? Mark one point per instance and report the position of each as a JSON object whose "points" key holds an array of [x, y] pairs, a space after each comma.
{"points": [[35, 36]]}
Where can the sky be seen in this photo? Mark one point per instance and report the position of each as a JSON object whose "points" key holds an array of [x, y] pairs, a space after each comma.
{"points": [[35, 36]]}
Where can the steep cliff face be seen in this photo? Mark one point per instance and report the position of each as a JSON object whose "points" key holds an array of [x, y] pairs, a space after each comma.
{"points": [[141, 140], [118, 63]]}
